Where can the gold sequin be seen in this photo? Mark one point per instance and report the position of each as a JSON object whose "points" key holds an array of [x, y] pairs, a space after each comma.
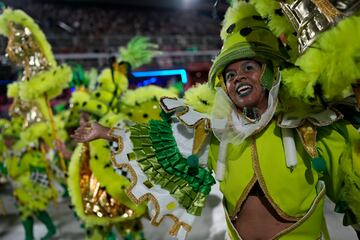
{"points": [[23, 49], [30, 111], [96, 200]]}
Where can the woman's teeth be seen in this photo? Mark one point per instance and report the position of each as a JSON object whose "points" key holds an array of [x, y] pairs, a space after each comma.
{"points": [[244, 90]]}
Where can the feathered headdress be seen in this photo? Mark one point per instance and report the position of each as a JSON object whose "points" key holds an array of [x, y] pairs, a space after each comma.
{"points": [[139, 51]]}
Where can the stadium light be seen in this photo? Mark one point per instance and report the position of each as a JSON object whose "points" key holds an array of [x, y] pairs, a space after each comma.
{"points": [[157, 73]]}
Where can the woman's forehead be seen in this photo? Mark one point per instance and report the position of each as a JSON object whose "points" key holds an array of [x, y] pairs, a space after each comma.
{"points": [[243, 60]]}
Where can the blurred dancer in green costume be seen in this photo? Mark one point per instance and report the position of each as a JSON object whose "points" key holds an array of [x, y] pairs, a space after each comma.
{"points": [[97, 200], [28, 169]]}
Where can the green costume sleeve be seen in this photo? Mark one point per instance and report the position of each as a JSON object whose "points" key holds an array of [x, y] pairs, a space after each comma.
{"points": [[339, 145]]}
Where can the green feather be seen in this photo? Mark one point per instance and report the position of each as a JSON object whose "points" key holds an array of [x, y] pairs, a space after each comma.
{"points": [[139, 51], [332, 61], [51, 82], [13, 90], [145, 94], [350, 170], [201, 98]]}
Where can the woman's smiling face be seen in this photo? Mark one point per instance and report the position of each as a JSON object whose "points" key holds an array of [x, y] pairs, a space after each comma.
{"points": [[243, 84]]}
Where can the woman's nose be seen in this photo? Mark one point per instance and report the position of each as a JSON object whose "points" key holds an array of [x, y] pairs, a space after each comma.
{"points": [[239, 77]]}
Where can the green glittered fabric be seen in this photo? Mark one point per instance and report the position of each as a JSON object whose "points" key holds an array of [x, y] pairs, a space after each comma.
{"points": [[156, 151]]}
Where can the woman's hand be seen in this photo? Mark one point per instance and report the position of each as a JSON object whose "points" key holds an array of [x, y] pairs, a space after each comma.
{"points": [[91, 131]]}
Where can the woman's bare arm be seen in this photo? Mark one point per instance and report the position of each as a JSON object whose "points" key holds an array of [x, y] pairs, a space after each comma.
{"points": [[91, 131]]}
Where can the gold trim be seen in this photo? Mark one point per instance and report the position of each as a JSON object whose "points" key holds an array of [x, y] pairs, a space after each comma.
{"points": [[298, 222], [229, 225], [243, 196], [263, 185], [164, 107], [327, 9], [339, 116], [181, 112], [119, 139], [305, 217], [149, 197]]}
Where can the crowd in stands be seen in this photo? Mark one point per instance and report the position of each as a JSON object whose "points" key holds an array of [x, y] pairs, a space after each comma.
{"points": [[94, 28]]}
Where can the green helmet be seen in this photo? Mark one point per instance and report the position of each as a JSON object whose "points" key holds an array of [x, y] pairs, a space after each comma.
{"points": [[245, 34]]}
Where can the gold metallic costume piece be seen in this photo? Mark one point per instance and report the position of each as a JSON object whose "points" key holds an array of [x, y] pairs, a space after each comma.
{"points": [[118, 139], [96, 201], [307, 133], [23, 49], [202, 133], [29, 110]]}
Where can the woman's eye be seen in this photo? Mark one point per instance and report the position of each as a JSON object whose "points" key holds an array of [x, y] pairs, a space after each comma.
{"points": [[230, 75], [251, 66]]}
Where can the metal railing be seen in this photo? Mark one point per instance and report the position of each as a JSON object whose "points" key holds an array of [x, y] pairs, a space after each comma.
{"points": [[165, 60], [94, 51]]}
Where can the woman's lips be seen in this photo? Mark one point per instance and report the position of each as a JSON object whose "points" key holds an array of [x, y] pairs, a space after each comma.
{"points": [[244, 89]]}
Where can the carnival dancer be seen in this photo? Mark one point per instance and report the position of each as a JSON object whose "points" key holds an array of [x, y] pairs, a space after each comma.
{"points": [[96, 199], [41, 80], [91, 178], [274, 163]]}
